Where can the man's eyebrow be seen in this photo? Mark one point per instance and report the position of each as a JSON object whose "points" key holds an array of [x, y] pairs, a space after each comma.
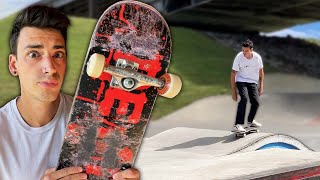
{"points": [[59, 47], [34, 46], [38, 46]]}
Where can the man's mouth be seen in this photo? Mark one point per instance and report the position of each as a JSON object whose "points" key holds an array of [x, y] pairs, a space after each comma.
{"points": [[49, 83]]}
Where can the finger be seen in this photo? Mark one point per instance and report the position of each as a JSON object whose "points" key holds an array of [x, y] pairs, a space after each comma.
{"points": [[66, 172], [48, 171], [47, 175], [127, 174], [79, 176]]}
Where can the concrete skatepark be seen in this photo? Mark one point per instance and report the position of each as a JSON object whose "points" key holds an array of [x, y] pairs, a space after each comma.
{"points": [[195, 142], [189, 153]]}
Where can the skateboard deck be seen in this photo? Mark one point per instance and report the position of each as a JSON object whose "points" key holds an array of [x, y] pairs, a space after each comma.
{"points": [[124, 70], [248, 131]]}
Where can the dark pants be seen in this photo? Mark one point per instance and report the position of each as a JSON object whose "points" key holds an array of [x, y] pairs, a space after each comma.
{"points": [[247, 90]]}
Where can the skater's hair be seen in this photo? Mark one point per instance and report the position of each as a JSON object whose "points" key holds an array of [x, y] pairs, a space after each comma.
{"points": [[247, 43], [38, 16]]}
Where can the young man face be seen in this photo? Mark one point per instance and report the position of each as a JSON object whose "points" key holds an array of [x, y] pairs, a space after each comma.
{"points": [[247, 52], [40, 63]]}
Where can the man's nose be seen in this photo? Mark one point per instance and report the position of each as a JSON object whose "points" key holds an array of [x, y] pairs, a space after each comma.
{"points": [[48, 66]]}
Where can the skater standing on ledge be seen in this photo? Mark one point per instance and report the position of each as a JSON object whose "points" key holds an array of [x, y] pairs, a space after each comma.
{"points": [[247, 74]]}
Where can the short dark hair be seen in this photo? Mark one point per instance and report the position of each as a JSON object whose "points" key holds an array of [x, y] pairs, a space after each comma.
{"points": [[247, 43], [38, 16]]}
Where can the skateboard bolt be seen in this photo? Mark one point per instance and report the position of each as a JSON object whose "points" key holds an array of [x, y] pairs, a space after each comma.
{"points": [[128, 83]]}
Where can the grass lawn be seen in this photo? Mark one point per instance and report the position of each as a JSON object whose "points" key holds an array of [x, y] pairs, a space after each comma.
{"points": [[203, 64]]}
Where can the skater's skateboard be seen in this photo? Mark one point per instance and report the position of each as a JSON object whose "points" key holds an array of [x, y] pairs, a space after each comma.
{"points": [[249, 130], [124, 70]]}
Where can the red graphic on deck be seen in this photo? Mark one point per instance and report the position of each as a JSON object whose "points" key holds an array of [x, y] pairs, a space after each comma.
{"points": [[86, 99], [125, 154], [101, 146], [103, 35], [109, 123], [73, 133], [95, 170], [96, 158], [100, 91], [125, 98], [122, 18], [72, 130], [102, 132]]}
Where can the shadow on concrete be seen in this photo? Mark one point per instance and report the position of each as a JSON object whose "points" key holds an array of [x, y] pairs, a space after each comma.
{"points": [[231, 138], [204, 141]]}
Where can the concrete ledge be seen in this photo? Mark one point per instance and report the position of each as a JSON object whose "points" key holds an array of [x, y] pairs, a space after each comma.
{"points": [[219, 142], [189, 153]]}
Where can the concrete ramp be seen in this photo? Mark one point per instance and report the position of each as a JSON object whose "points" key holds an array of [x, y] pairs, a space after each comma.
{"points": [[189, 153], [218, 143]]}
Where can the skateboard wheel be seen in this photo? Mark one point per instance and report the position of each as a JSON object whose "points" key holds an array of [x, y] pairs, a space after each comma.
{"points": [[172, 85], [95, 65]]}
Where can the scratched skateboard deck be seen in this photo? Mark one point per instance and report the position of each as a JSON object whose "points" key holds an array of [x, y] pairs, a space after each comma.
{"points": [[107, 121]]}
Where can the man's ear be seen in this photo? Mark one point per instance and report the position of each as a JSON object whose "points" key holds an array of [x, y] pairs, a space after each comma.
{"points": [[12, 65]]}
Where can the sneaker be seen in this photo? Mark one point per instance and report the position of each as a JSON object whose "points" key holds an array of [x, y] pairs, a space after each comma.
{"points": [[254, 124], [238, 128]]}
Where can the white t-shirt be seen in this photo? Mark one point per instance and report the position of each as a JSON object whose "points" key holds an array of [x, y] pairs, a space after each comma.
{"points": [[247, 69], [27, 152]]}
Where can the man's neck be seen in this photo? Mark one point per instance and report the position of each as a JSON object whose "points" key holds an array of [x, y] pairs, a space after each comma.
{"points": [[249, 57], [37, 113]]}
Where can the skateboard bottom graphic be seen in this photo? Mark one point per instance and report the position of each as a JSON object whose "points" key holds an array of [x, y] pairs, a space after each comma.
{"points": [[249, 130]]}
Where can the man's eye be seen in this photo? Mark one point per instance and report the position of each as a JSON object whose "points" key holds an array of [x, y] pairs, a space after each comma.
{"points": [[58, 55], [33, 55]]}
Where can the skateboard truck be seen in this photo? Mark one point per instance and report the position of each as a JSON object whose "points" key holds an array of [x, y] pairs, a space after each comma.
{"points": [[125, 83], [125, 75]]}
